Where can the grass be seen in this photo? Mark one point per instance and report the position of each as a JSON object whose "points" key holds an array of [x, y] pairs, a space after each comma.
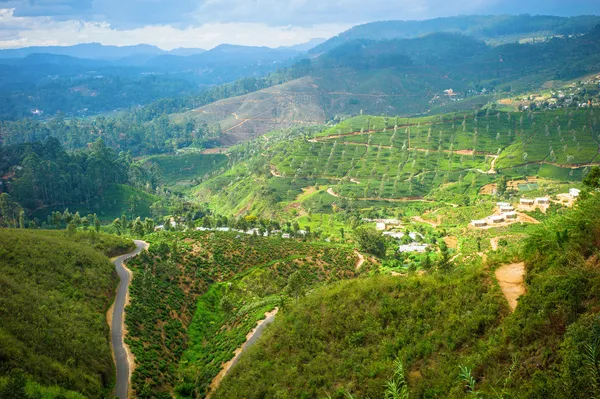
{"points": [[56, 291], [116, 200], [180, 171]]}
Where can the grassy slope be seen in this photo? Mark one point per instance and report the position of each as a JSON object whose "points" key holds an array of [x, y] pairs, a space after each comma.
{"points": [[55, 294], [116, 200], [347, 336], [278, 107], [179, 171]]}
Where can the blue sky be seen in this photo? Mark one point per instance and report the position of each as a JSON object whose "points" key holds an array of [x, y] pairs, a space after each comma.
{"points": [[207, 23]]}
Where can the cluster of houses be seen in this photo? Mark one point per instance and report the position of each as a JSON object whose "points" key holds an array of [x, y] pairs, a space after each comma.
{"points": [[508, 214]]}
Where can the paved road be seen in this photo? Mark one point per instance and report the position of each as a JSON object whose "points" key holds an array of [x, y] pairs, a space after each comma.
{"points": [[121, 359]]}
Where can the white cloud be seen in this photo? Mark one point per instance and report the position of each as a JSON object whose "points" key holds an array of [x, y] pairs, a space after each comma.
{"points": [[44, 31]]}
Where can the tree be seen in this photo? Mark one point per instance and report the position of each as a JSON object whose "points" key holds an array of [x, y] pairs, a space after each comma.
{"points": [[137, 228], [295, 285], [117, 225], [370, 240], [592, 179], [342, 232], [149, 225], [71, 229], [444, 263], [96, 223], [21, 219], [427, 264], [502, 184]]}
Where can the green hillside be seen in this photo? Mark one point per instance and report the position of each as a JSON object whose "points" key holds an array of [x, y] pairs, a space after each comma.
{"points": [[116, 200], [56, 290], [179, 171], [344, 339], [393, 160], [493, 28], [178, 331]]}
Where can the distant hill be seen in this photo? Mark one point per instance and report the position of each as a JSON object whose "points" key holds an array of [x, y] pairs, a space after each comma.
{"points": [[406, 77], [478, 26], [245, 117], [87, 50], [312, 43]]}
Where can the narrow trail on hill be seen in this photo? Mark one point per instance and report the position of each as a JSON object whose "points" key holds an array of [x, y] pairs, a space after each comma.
{"points": [[361, 260], [121, 352], [402, 199], [250, 339], [510, 279]]}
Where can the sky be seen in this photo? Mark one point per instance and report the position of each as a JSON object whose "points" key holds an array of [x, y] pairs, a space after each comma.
{"points": [[170, 24]]}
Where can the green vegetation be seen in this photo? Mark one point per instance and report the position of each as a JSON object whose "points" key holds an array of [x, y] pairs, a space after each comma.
{"points": [[180, 267], [347, 336], [546, 348], [181, 171], [56, 290]]}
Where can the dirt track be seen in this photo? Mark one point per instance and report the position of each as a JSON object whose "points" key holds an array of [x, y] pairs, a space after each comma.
{"points": [[510, 279]]}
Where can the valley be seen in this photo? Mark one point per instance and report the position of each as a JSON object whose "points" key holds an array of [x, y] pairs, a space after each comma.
{"points": [[406, 210]]}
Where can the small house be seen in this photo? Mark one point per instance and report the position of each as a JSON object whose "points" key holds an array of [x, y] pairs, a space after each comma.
{"points": [[508, 208], [542, 201], [526, 201], [511, 215], [574, 192], [497, 219], [285, 235], [478, 223], [413, 247]]}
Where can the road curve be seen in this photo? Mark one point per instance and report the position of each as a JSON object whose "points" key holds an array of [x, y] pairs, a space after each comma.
{"points": [[116, 338]]}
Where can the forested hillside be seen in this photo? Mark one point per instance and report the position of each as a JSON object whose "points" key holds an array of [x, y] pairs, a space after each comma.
{"points": [[56, 290]]}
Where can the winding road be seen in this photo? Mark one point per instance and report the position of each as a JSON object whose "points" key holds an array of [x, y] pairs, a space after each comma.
{"points": [[120, 351]]}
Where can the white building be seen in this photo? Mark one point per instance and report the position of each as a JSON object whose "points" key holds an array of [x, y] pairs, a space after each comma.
{"points": [[507, 208], [398, 235], [574, 192], [501, 204], [380, 226], [542, 201], [511, 215], [526, 201], [413, 247], [478, 223]]}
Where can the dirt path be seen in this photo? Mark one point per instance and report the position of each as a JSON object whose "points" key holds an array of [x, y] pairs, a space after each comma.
{"points": [[510, 279], [429, 222], [403, 199], [250, 339], [122, 355], [274, 171], [361, 260]]}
